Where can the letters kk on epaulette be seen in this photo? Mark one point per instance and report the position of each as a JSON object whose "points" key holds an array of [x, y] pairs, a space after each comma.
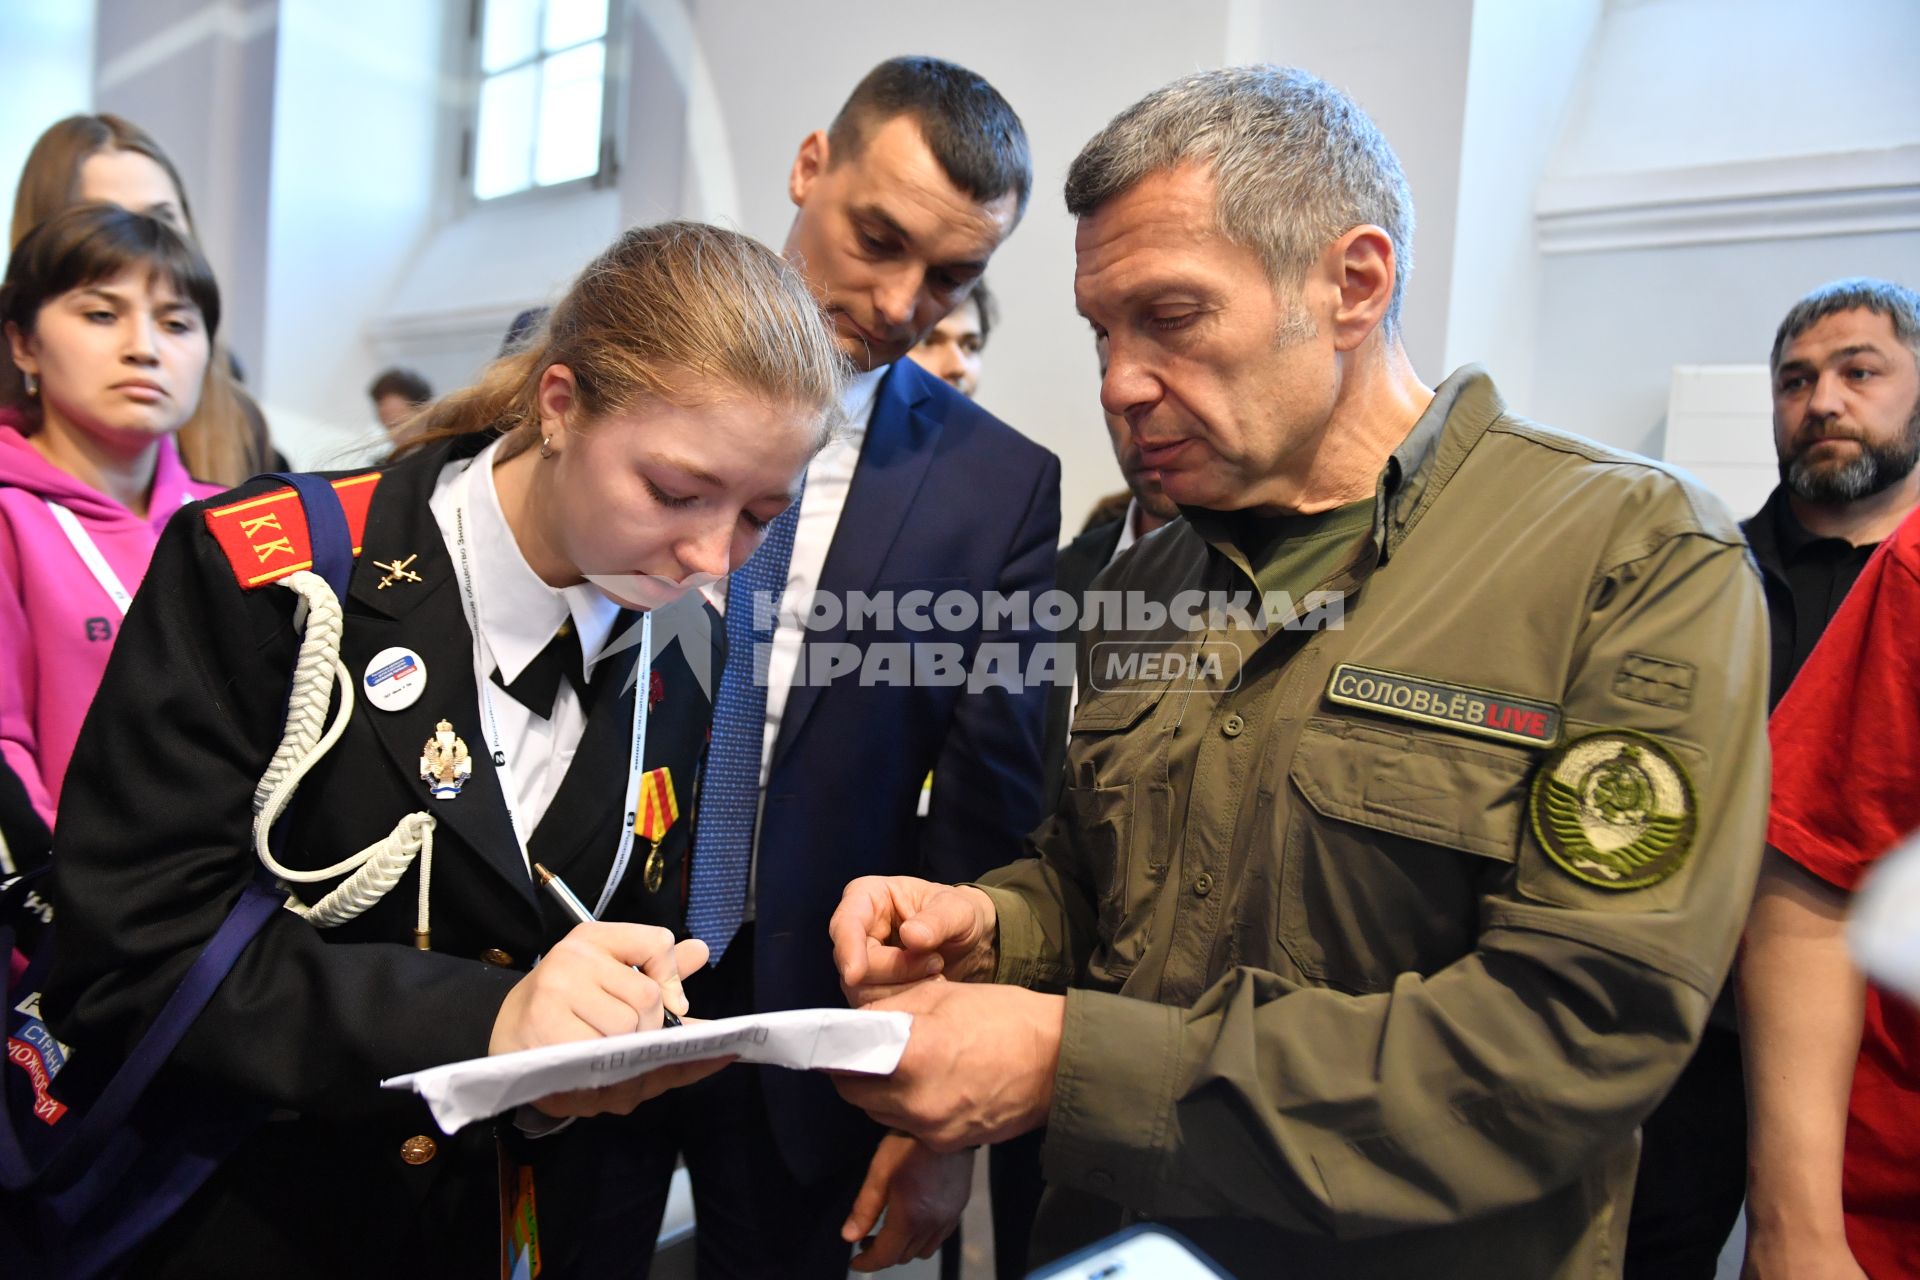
{"points": [[266, 538]]}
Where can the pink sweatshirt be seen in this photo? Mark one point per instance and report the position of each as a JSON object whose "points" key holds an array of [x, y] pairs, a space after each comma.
{"points": [[56, 622]]}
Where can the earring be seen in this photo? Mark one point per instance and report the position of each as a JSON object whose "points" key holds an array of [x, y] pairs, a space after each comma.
{"points": [[546, 443], [33, 384]]}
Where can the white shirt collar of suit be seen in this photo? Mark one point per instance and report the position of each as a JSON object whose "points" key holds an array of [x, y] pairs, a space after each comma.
{"points": [[1128, 523], [857, 400]]}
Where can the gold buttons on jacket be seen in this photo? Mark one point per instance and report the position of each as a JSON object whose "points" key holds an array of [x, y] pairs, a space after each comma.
{"points": [[498, 958], [419, 1149], [1203, 886], [1232, 725]]}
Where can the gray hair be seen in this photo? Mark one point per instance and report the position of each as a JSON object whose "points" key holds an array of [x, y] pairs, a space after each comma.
{"points": [[1296, 165], [1899, 304]]}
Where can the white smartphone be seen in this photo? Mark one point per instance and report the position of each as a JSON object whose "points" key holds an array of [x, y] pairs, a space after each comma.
{"points": [[1143, 1252]]}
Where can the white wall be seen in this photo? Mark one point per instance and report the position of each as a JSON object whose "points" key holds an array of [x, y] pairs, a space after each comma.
{"points": [[1525, 61], [1720, 431], [459, 292], [1721, 157], [48, 52], [1677, 81], [352, 195], [1613, 325], [199, 77]]}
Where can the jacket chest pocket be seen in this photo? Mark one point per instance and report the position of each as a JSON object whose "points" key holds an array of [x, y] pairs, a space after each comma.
{"points": [[1391, 839], [1120, 804]]}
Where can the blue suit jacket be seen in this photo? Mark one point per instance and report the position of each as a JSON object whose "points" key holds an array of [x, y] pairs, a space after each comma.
{"points": [[946, 497]]}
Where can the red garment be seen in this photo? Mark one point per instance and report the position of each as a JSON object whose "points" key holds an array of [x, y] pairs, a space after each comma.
{"points": [[1846, 788]]}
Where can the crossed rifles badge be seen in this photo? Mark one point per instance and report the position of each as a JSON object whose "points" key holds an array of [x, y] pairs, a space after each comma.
{"points": [[397, 571], [658, 810]]}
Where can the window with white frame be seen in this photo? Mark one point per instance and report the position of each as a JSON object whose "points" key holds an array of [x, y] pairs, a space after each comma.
{"points": [[542, 113]]}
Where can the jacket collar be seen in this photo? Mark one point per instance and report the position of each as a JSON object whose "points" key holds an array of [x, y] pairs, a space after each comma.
{"points": [[425, 617], [1463, 407], [401, 524]]}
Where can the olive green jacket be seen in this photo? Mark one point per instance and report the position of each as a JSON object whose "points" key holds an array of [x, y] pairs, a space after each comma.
{"points": [[1336, 1007]]}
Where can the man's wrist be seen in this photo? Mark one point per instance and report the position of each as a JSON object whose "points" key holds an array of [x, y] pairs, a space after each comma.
{"points": [[985, 961], [1021, 954], [1800, 1214], [1053, 1034]]}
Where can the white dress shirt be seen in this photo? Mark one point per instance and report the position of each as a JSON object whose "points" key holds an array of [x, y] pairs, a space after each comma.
{"points": [[829, 477], [519, 614]]}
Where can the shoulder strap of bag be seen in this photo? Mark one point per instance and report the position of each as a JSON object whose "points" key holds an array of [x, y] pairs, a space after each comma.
{"points": [[203, 977], [327, 526], [333, 561]]}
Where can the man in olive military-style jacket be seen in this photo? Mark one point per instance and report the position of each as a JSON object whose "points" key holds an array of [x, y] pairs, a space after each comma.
{"points": [[1384, 909]]}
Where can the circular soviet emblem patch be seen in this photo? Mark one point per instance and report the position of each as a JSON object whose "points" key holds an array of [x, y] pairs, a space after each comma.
{"points": [[1614, 809]]}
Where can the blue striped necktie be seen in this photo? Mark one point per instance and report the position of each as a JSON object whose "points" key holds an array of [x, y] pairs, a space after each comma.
{"points": [[730, 788]]}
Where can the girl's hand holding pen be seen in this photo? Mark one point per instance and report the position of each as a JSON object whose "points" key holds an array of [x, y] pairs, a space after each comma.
{"points": [[602, 979], [570, 903]]}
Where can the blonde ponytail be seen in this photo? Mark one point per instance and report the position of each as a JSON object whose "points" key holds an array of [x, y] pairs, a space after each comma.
{"points": [[669, 312]]}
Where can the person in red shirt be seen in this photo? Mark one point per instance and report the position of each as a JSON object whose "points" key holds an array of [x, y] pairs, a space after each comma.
{"points": [[1833, 1062]]}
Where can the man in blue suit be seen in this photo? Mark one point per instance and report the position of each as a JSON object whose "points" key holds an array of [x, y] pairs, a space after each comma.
{"points": [[826, 726]]}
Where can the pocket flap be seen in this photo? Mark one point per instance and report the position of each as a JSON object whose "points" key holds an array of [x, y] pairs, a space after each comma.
{"points": [[1103, 711], [1464, 796]]}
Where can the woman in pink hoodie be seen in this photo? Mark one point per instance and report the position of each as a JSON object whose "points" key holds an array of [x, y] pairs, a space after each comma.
{"points": [[109, 317]]}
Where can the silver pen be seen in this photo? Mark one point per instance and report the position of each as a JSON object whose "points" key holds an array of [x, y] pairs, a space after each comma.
{"points": [[572, 905]]}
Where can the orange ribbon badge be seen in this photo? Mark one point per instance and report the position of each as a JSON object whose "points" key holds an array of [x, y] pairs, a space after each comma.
{"points": [[659, 809]]}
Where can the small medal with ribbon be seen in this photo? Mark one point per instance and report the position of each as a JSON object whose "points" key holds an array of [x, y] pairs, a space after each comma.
{"points": [[656, 816]]}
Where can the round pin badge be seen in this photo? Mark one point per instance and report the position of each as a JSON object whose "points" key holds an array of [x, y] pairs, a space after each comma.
{"points": [[1615, 809], [395, 679]]}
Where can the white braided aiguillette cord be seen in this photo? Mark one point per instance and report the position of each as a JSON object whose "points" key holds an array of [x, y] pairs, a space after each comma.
{"points": [[384, 863], [313, 678], [306, 739]]}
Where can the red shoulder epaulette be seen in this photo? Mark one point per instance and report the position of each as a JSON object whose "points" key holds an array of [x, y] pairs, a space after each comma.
{"points": [[265, 538]]}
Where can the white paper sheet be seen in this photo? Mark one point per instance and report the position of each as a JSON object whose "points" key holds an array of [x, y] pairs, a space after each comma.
{"points": [[804, 1039]]}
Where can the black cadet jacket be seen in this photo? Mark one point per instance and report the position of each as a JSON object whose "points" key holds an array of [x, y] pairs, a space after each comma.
{"points": [[155, 845]]}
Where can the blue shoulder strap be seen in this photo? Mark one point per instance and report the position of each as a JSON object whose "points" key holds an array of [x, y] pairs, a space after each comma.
{"points": [[326, 526], [332, 560]]}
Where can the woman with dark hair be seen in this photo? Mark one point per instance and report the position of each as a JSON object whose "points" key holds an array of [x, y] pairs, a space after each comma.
{"points": [[109, 317], [88, 158], [468, 708]]}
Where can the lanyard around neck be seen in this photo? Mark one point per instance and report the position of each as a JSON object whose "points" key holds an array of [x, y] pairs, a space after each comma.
{"points": [[89, 553], [643, 680]]}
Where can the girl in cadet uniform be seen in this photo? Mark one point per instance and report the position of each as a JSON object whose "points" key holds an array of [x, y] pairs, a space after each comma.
{"points": [[106, 157], [639, 444], [108, 317]]}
